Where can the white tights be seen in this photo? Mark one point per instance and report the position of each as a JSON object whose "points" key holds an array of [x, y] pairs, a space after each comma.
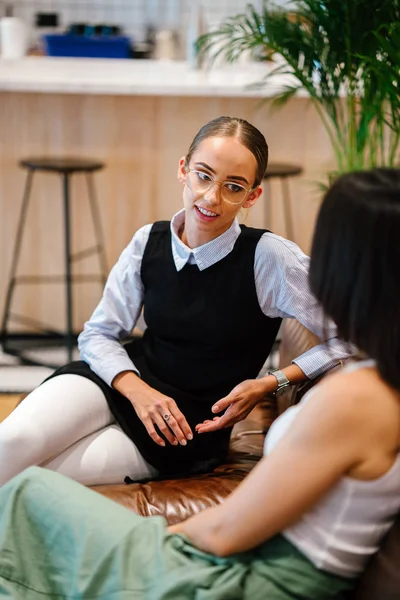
{"points": [[66, 425]]}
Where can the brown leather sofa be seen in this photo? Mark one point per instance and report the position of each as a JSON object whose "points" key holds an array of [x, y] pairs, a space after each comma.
{"points": [[179, 498]]}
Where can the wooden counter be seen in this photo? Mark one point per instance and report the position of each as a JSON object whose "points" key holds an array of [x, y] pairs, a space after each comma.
{"points": [[140, 133]]}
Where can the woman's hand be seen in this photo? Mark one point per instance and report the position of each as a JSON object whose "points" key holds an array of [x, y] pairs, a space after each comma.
{"points": [[238, 403], [203, 530], [154, 410], [243, 398]]}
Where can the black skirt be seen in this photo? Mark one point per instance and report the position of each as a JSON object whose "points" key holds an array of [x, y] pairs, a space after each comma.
{"points": [[200, 455]]}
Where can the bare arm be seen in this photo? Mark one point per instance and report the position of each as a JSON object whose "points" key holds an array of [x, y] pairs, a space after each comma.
{"points": [[327, 439]]}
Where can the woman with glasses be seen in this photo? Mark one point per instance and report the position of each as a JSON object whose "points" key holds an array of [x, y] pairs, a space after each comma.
{"points": [[308, 518], [213, 295]]}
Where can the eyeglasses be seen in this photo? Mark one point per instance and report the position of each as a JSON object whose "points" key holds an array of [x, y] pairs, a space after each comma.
{"points": [[202, 183]]}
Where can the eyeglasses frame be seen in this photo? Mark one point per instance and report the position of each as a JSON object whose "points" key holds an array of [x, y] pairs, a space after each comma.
{"points": [[221, 183]]}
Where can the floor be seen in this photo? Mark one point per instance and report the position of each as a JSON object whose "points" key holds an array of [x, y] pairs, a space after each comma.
{"points": [[7, 403]]}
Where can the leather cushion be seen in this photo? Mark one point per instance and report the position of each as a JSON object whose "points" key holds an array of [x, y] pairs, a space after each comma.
{"points": [[178, 499]]}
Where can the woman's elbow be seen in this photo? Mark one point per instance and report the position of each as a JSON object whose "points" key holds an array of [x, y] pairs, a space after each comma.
{"points": [[220, 549], [223, 546]]}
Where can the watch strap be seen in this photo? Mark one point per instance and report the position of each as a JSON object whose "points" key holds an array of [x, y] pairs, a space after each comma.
{"points": [[283, 381]]}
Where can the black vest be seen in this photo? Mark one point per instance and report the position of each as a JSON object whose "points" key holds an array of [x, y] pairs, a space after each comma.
{"points": [[206, 331]]}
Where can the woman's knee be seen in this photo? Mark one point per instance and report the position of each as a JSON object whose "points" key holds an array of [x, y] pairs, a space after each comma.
{"points": [[20, 438]]}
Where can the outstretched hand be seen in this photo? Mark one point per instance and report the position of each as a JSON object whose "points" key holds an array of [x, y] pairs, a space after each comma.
{"points": [[237, 404]]}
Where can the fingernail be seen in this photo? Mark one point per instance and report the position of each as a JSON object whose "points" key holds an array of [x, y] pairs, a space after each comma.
{"points": [[183, 442], [190, 437], [215, 408], [175, 442], [162, 443]]}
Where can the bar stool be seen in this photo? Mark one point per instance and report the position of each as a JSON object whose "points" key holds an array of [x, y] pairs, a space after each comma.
{"points": [[65, 167], [283, 172]]}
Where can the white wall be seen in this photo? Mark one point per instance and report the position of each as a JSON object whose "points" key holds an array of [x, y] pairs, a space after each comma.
{"points": [[132, 14]]}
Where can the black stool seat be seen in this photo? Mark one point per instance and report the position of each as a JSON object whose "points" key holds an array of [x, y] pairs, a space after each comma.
{"points": [[282, 170], [62, 165]]}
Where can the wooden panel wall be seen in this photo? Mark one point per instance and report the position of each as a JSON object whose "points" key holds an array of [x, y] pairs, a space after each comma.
{"points": [[141, 140]]}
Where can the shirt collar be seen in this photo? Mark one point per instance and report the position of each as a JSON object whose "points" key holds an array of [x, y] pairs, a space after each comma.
{"points": [[206, 255]]}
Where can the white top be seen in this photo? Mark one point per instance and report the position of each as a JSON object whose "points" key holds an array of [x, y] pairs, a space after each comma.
{"points": [[136, 77], [281, 278], [344, 529]]}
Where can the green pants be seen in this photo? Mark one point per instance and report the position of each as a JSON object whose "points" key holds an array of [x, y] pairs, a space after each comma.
{"points": [[59, 540]]}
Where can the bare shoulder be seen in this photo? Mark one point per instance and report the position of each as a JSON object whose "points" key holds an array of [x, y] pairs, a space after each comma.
{"points": [[351, 386], [360, 400]]}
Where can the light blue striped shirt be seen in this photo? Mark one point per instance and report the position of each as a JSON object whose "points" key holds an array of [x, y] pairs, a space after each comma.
{"points": [[281, 278]]}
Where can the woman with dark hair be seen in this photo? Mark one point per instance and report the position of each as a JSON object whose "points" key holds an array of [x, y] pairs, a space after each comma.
{"points": [[309, 516], [213, 295], [356, 265]]}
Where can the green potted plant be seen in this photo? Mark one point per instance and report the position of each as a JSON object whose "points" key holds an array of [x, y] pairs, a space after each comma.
{"points": [[344, 53]]}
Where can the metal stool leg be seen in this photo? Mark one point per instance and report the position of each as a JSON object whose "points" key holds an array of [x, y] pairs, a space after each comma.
{"points": [[287, 209], [68, 278], [267, 203], [98, 230], [16, 254]]}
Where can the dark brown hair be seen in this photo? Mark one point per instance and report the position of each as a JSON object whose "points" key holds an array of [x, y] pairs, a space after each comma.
{"points": [[247, 134], [355, 264]]}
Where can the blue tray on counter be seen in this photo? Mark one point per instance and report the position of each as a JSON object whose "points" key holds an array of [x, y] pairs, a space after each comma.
{"points": [[88, 47]]}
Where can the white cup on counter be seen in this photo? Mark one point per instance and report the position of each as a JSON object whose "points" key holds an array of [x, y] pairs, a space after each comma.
{"points": [[13, 38]]}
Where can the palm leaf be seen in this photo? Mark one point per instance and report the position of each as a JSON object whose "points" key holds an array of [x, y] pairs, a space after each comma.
{"points": [[331, 49]]}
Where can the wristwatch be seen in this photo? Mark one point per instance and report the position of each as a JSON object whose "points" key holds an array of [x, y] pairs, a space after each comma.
{"points": [[283, 381]]}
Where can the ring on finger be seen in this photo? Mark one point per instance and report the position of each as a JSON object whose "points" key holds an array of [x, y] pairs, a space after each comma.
{"points": [[166, 416]]}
